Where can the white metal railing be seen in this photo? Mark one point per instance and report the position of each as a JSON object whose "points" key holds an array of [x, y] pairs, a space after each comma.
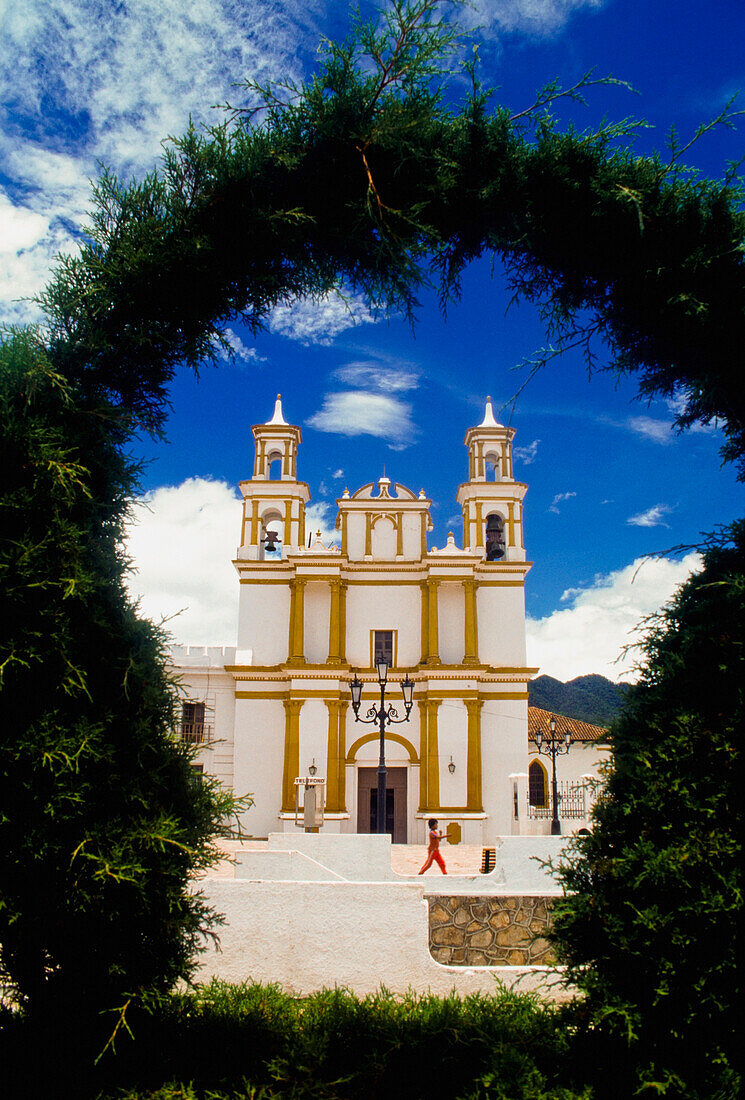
{"points": [[574, 802]]}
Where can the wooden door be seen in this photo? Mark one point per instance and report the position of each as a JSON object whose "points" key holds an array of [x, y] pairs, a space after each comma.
{"points": [[395, 802]]}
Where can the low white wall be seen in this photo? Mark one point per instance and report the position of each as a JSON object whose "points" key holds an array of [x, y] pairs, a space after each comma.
{"points": [[362, 857], [359, 935]]}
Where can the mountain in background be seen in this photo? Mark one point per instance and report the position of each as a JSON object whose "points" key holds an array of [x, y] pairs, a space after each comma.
{"points": [[593, 699]]}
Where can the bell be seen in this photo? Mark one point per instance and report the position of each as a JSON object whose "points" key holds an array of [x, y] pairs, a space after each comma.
{"points": [[270, 542]]}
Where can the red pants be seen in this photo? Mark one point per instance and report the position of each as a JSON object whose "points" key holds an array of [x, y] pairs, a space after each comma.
{"points": [[433, 857]]}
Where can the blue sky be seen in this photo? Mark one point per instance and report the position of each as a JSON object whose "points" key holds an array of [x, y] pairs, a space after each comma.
{"points": [[83, 81]]}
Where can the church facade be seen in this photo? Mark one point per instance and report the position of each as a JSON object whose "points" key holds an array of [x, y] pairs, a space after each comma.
{"points": [[312, 617]]}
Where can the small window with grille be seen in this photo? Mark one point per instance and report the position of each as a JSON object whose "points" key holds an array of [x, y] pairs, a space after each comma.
{"points": [[192, 722], [383, 645]]}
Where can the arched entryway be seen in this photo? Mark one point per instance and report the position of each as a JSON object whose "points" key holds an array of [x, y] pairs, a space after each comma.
{"points": [[397, 789]]}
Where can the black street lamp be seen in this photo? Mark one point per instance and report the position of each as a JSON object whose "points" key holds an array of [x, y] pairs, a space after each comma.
{"points": [[553, 748], [382, 714]]}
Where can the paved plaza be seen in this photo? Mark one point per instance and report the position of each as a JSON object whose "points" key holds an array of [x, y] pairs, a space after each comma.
{"points": [[406, 859]]}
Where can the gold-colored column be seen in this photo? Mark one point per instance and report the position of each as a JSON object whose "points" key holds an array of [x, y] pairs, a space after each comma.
{"points": [[334, 657], [343, 622], [480, 460], [301, 530], [423, 755], [511, 523], [425, 622], [400, 534], [255, 524], [471, 465], [368, 535], [344, 533], [471, 648], [466, 528], [342, 755], [474, 802], [297, 621], [433, 756], [332, 757], [506, 471], [288, 523], [287, 460], [292, 752], [433, 644], [479, 525], [424, 535]]}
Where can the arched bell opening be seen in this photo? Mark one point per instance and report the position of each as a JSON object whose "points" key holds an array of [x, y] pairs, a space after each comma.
{"points": [[495, 543], [274, 466], [492, 466], [272, 526]]}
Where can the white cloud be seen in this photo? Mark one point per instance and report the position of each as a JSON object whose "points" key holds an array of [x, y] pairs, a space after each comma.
{"points": [[533, 17], [558, 499], [321, 516], [527, 453], [659, 431], [239, 349], [182, 540], [83, 81], [589, 635], [653, 517], [312, 321], [338, 473], [371, 376], [358, 413]]}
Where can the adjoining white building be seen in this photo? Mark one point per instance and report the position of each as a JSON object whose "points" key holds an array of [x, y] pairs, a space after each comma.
{"points": [[311, 617]]}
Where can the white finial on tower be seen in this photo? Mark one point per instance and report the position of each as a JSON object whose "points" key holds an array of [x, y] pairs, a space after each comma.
{"points": [[278, 418], [489, 421]]}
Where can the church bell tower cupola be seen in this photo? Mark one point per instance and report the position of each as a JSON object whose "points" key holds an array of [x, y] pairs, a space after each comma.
{"points": [[274, 500], [491, 499]]}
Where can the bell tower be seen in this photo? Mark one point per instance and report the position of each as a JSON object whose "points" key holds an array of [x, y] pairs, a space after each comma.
{"points": [[491, 499], [274, 500]]}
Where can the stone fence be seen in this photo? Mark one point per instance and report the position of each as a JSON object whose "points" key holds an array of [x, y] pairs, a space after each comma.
{"points": [[490, 931]]}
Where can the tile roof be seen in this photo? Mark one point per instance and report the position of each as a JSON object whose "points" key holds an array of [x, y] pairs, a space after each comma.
{"points": [[581, 731]]}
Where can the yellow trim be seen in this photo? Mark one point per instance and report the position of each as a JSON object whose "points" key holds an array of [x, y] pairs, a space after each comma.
{"points": [[334, 657], [343, 621], [466, 529], [367, 737], [433, 641], [423, 752], [335, 802], [297, 622], [474, 796], [424, 535], [261, 695], [368, 535], [479, 526], [288, 523], [433, 759], [301, 530], [400, 534], [471, 642], [291, 764], [425, 622], [344, 536], [511, 521]]}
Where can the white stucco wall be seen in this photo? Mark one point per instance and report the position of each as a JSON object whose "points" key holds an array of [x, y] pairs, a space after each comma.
{"points": [[259, 758], [504, 737], [452, 731], [359, 935], [264, 621], [383, 607], [501, 612], [317, 604], [451, 622]]}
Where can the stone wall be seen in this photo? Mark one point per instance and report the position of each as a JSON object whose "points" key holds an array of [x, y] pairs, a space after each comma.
{"points": [[490, 931]]}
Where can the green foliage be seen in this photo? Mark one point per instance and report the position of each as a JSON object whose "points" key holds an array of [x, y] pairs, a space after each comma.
{"points": [[594, 699], [223, 1041], [102, 819], [364, 178], [652, 924]]}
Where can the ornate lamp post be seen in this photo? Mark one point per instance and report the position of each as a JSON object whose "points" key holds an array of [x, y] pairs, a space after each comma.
{"points": [[553, 748], [382, 714]]}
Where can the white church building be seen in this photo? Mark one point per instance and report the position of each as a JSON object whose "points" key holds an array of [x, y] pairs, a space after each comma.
{"points": [[277, 707]]}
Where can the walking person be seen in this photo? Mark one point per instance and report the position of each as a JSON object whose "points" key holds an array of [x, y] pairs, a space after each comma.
{"points": [[433, 851]]}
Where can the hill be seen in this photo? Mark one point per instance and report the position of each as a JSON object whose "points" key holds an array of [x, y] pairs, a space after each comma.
{"points": [[592, 698]]}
